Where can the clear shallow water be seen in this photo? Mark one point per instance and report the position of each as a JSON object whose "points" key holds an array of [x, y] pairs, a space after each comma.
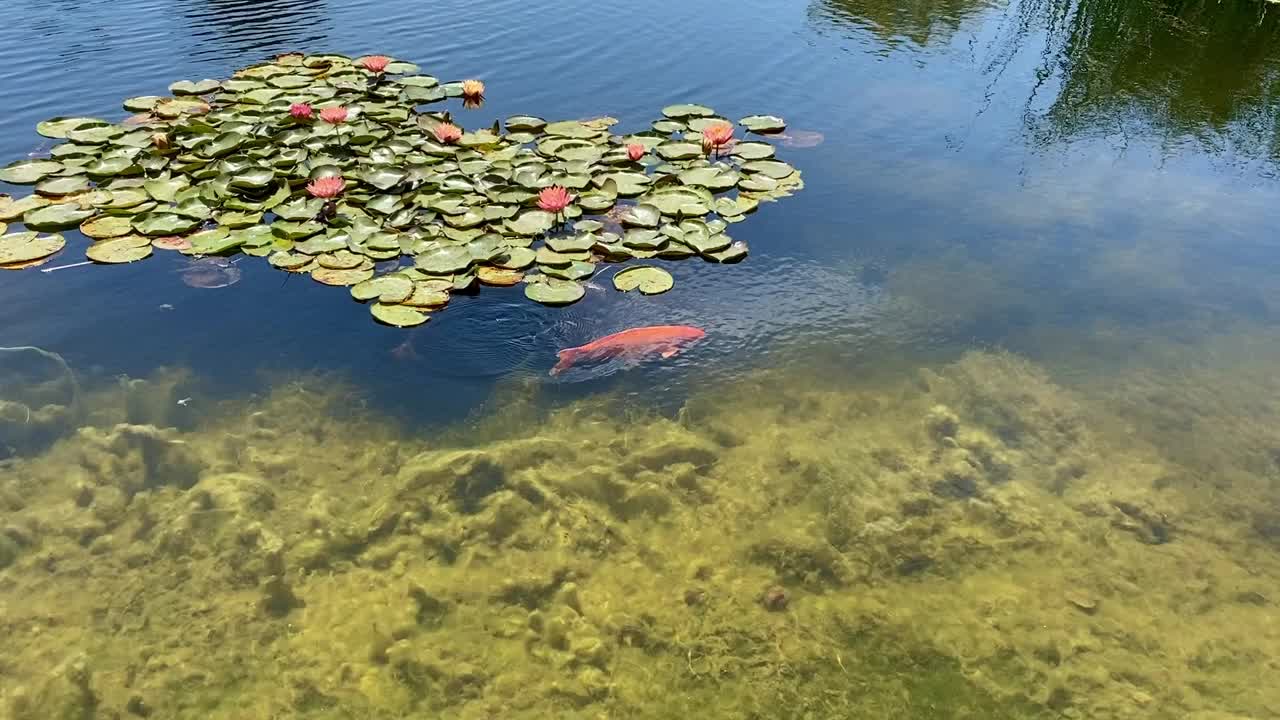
{"points": [[1089, 185]]}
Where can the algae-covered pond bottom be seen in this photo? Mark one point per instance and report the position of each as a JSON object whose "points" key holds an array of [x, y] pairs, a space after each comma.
{"points": [[966, 539]]}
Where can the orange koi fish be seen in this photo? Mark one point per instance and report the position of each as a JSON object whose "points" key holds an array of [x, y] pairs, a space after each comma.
{"points": [[662, 340]]}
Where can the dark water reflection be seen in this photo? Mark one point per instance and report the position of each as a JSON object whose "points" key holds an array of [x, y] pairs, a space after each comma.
{"points": [[254, 27]]}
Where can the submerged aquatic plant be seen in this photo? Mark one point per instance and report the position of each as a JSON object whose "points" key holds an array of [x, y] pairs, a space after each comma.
{"points": [[233, 166]]}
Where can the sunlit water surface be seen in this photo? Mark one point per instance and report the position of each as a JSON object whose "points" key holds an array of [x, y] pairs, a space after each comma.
{"points": [[849, 501]]}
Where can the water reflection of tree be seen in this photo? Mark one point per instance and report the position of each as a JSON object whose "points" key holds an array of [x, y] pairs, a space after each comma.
{"points": [[1208, 69], [256, 27], [918, 21], [1202, 68]]}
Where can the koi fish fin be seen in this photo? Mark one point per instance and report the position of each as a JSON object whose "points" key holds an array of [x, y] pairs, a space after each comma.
{"points": [[670, 352]]}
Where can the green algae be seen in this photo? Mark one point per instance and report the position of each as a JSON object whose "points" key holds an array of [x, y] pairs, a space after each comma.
{"points": [[968, 540]]}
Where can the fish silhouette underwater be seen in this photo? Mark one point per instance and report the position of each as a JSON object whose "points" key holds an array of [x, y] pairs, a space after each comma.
{"points": [[634, 344]]}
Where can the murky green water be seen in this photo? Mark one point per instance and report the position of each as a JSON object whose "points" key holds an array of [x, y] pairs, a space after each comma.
{"points": [[987, 426]]}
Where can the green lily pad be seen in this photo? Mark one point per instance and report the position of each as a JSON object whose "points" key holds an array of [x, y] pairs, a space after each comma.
{"points": [[164, 223], [56, 217], [517, 259], [678, 150], [576, 270], [341, 277], [58, 127], [753, 150], [387, 289], [763, 124], [643, 239], [186, 87], [24, 247], [29, 172], [525, 123], [444, 261], [554, 291], [732, 254], [130, 248], [60, 186], [731, 207], [570, 129], [107, 226], [397, 315], [572, 243], [685, 111], [643, 215], [649, 280], [429, 293], [532, 222], [15, 209], [775, 169]]}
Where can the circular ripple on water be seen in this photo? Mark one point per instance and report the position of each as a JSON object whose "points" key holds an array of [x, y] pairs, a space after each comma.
{"points": [[486, 336]]}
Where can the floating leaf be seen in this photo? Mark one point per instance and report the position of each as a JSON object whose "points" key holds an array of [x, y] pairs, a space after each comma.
{"points": [[397, 315], [331, 276], [56, 217], [24, 247], [106, 226], [500, 277], [554, 292], [15, 209], [649, 280], [445, 260], [532, 222], [387, 289], [770, 168], [429, 294], [127, 249], [60, 186], [576, 270], [162, 223], [517, 259], [763, 124], [186, 87], [29, 172], [753, 150], [58, 127], [684, 111]]}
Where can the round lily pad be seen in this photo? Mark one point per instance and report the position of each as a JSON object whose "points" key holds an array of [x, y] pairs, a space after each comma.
{"points": [[649, 280], [63, 216], [517, 259], [107, 226], [387, 289], [501, 277], [398, 315], [22, 247], [331, 276], [445, 260], [554, 292], [130, 248], [429, 294], [688, 110], [763, 124], [29, 172]]}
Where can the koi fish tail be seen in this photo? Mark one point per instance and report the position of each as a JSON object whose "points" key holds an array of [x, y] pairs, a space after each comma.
{"points": [[567, 358]]}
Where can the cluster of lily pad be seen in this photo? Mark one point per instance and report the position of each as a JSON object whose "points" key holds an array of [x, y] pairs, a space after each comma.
{"points": [[331, 166]]}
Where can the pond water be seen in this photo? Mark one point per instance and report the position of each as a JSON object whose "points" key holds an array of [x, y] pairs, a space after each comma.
{"points": [[985, 426]]}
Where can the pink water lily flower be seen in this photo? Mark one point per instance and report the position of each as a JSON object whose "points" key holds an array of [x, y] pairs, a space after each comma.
{"points": [[447, 133], [334, 115], [300, 111], [717, 135], [327, 187], [376, 63], [554, 199], [635, 151]]}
